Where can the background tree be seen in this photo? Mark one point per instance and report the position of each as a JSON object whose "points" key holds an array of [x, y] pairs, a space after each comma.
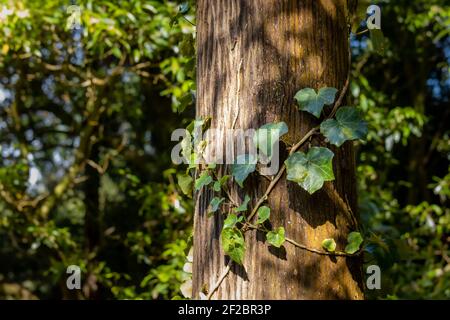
{"points": [[83, 177]]}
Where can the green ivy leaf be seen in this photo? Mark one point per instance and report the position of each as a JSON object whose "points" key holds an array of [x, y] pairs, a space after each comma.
{"points": [[186, 146], [244, 205], [266, 136], [215, 204], [196, 129], [310, 171], [219, 184], [231, 221], [244, 165], [312, 102], [329, 245], [224, 179], [348, 125], [185, 183], [276, 238], [233, 244], [354, 241], [204, 180], [212, 166], [193, 161], [263, 214]]}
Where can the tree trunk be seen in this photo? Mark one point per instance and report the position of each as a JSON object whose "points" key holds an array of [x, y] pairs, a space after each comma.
{"points": [[253, 56]]}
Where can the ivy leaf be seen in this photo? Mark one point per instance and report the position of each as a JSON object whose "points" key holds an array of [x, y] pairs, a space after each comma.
{"points": [[263, 214], [185, 183], [231, 221], [312, 102], [243, 206], [329, 245], [233, 244], [267, 135], [193, 161], [354, 241], [215, 204], [276, 238], [212, 166], [217, 187], [196, 129], [310, 171], [219, 184], [244, 165], [204, 180], [348, 125], [224, 179], [186, 146]]}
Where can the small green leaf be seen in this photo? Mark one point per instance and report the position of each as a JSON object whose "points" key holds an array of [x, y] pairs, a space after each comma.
{"points": [[217, 186], [185, 183], [329, 245], [276, 238], [267, 135], [215, 204], [186, 146], [231, 221], [310, 171], [312, 102], [224, 180], [204, 180], [233, 244], [193, 161], [244, 165], [354, 241], [212, 166], [263, 214], [243, 206], [348, 125]]}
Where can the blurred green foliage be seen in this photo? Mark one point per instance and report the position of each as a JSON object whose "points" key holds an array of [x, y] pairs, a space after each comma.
{"points": [[86, 118], [86, 176], [403, 167]]}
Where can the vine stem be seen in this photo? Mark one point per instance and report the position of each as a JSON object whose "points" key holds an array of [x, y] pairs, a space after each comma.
{"points": [[324, 253], [304, 247], [280, 173], [227, 192], [220, 280]]}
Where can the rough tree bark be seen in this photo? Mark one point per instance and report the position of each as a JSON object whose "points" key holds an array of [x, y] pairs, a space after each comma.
{"points": [[253, 56]]}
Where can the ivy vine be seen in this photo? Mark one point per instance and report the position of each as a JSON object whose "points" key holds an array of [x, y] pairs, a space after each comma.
{"points": [[310, 170]]}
